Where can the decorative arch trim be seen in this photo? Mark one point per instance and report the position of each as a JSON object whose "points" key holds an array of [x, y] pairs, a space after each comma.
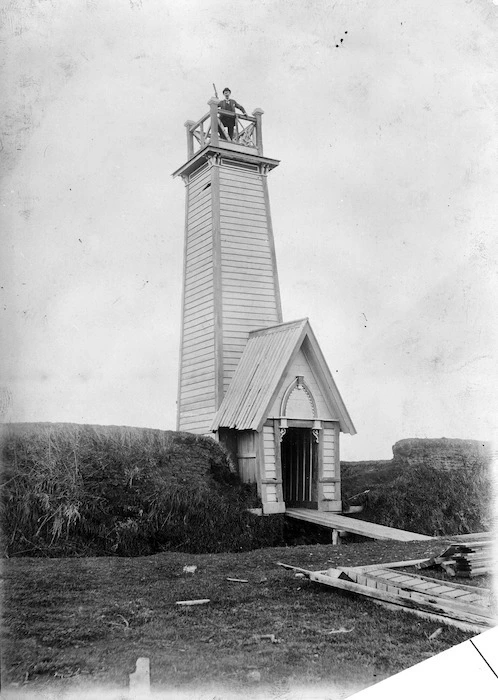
{"points": [[300, 385]]}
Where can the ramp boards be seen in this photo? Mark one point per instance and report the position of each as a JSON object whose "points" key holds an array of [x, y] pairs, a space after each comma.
{"points": [[338, 522]]}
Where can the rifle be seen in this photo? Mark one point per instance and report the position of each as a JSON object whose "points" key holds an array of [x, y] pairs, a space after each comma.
{"points": [[215, 92]]}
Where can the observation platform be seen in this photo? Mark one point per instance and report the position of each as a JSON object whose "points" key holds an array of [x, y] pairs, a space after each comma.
{"points": [[208, 136]]}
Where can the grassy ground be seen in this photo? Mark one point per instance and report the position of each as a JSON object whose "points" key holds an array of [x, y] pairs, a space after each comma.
{"points": [[81, 623]]}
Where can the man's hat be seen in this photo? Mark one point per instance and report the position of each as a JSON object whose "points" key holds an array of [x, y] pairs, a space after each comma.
{"points": [[226, 90]]}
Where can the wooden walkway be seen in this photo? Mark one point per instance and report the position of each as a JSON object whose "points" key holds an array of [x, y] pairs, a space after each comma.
{"points": [[334, 521]]}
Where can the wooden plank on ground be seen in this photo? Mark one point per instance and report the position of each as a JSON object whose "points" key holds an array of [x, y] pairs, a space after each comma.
{"points": [[432, 597], [465, 626], [480, 592], [389, 565], [475, 617], [465, 594], [405, 599]]}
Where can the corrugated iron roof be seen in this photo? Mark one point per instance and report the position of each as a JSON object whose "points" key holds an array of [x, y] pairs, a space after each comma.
{"points": [[260, 372]]}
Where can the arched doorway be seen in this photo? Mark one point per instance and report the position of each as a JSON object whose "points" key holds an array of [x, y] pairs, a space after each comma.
{"points": [[299, 446], [299, 457]]}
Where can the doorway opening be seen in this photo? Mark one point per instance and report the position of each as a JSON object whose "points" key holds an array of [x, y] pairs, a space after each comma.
{"points": [[299, 455]]}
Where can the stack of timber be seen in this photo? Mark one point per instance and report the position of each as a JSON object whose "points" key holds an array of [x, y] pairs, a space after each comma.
{"points": [[466, 607], [466, 559]]}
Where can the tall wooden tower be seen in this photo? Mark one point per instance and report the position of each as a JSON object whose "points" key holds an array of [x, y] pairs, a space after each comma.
{"points": [[260, 385], [230, 284]]}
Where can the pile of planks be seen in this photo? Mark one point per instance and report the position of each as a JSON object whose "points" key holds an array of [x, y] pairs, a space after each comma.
{"points": [[464, 558]]}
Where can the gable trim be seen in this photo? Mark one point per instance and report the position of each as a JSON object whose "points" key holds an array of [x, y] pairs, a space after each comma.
{"points": [[295, 383]]}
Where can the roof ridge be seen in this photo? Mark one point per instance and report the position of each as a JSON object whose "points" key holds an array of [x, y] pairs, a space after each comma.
{"points": [[279, 326]]}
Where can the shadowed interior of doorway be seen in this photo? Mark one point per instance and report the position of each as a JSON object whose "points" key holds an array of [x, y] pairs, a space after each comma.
{"points": [[300, 468]]}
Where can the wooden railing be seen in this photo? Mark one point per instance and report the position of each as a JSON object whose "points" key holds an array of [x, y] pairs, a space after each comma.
{"points": [[209, 130]]}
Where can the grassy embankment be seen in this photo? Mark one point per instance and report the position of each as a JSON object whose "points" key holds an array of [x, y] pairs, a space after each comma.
{"points": [[78, 490], [422, 498], [81, 490]]}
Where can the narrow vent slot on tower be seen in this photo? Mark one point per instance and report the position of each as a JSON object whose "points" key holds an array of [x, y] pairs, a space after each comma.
{"points": [[240, 166], [198, 173]]}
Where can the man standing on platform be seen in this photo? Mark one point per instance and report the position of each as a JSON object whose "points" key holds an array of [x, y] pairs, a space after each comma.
{"points": [[228, 105]]}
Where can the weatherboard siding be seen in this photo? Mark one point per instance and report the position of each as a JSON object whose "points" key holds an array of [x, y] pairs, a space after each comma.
{"points": [[270, 471], [197, 368], [330, 462], [248, 270], [328, 437], [269, 493], [329, 492]]}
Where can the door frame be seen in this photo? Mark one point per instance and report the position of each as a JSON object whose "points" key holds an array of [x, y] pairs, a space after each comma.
{"points": [[314, 426]]}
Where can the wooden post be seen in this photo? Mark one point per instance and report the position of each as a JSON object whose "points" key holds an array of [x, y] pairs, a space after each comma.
{"points": [[337, 472], [258, 112], [213, 109], [190, 139], [335, 537], [278, 460]]}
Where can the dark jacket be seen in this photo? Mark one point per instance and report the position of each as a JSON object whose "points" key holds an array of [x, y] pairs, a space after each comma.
{"points": [[230, 105]]}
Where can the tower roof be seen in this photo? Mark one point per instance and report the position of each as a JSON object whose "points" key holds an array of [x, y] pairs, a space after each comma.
{"points": [[261, 371]]}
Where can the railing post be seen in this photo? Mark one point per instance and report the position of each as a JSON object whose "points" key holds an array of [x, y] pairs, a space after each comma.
{"points": [[213, 109], [190, 138], [258, 112]]}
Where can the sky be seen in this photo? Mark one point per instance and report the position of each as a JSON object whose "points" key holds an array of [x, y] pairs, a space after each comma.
{"points": [[384, 118]]}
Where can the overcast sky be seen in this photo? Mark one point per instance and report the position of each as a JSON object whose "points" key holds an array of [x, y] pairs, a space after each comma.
{"points": [[384, 117]]}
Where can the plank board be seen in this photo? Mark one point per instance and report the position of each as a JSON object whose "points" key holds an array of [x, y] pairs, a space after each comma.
{"points": [[476, 617], [357, 527], [410, 600], [460, 588], [262, 265], [472, 537], [447, 593]]}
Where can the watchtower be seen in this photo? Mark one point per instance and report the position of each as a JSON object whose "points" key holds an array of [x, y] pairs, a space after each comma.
{"points": [[230, 282], [260, 385]]}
